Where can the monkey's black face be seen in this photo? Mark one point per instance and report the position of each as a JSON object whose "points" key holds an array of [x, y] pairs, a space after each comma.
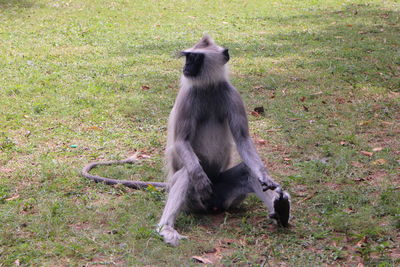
{"points": [[194, 62]]}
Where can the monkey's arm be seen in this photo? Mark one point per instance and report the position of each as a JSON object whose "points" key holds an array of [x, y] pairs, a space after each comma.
{"points": [[240, 131], [197, 177], [187, 156], [184, 129]]}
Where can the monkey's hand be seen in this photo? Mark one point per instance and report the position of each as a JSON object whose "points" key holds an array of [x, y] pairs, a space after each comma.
{"points": [[270, 185], [266, 181], [201, 183]]}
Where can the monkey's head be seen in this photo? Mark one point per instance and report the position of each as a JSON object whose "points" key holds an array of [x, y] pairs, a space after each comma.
{"points": [[205, 61]]}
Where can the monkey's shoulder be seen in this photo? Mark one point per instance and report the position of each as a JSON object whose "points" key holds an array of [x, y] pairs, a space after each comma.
{"points": [[207, 103]]}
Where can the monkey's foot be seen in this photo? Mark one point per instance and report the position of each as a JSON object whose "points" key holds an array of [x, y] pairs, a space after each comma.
{"points": [[170, 235], [282, 208]]}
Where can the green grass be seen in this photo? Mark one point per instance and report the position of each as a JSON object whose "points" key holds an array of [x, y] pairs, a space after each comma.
{"points": [[73, 89]]}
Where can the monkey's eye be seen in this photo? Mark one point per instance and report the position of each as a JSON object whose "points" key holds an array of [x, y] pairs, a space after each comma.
{"points": [[190, 56], [196, 58]]}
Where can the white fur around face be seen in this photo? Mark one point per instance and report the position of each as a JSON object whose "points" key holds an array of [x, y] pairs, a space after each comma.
{"points": [[214, 69], [211, 77]]}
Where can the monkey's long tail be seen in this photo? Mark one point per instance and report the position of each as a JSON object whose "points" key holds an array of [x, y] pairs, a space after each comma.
{"points": [[108, 181]]}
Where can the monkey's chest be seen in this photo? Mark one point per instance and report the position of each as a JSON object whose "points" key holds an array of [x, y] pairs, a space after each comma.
{"points": [[212, 144]]}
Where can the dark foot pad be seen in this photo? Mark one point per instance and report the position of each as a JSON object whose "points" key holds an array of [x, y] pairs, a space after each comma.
{"points": [[282, 209]]}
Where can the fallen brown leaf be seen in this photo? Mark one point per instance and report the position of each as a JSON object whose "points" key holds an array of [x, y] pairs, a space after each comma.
{"points": [[377, 149], [363, 123], [310, 196], [261, 141], [317, 93], [356, 164], [145, 87], [94, 128], [366, 153], [360, 179], [255, 114], [349, 210], [13, 197], [202, 260], [394, 94], [340, 100], [379, 162], [362, 242]]}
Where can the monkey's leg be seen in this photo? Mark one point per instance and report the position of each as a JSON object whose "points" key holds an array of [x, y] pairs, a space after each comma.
{"points": [[176, 198], [236, 182]]}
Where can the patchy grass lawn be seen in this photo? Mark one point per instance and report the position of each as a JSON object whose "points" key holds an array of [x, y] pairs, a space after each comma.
{"points": [[95, 80]]}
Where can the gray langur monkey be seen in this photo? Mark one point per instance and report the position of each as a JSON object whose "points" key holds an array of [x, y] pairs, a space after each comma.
{"points": [[207, 120]]}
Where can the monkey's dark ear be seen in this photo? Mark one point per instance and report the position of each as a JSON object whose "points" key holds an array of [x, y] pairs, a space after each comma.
{"points": [[226, 54]]}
